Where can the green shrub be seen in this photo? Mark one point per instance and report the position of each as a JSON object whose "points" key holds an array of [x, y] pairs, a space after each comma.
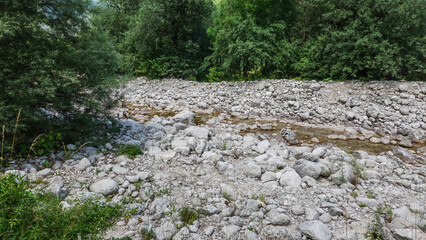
{"points": [[25, 215], [147, 234], [168, 38], [52, 60], [48, 143], [188, 215], [130, 151]]}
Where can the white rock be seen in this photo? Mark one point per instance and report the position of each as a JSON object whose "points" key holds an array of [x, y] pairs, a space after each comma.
{"points": [[83, 164], [253, 170], [198, 132], [316, 230], [105, 187], [291, 178], [120, 170]]}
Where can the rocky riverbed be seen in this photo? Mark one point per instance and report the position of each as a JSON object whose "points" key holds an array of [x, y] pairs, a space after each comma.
{"points": [[272, 159]]}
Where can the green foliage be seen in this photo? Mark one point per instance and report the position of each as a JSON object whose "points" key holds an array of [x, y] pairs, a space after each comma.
{"points": [[52, 60], [130, 151], [168, 38], [147, 234], [48, 143], [25, 215], [188, 215], [249, 39], [362, 39], [375, 229]]}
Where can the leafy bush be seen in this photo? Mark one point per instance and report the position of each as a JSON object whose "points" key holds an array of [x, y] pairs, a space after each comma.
{"points": [[130, 151], [53, 64], [48, 143], [25, 215], [168, 38], [363, 39], [188, 215], [147, 234]]}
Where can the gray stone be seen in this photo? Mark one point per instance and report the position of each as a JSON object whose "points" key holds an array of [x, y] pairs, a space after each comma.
{"points": [[268, 177], [343, 175], [253, 170], [279, 233], [316, 230], [108, 146], [290, 178], [408, 234], [311, 214], [120, 170], [289, 136], [198, 132], [307, 168], [228, 191], [105, 187], [297, 210], [250, 235], [209, 230], [71, 147], [185, 117], [45, 172], [83, 164], [403, 88], [403, 154], [325, 218], [166, 231], [277, 218], [231, 231], [55, 186], [262, 146]]}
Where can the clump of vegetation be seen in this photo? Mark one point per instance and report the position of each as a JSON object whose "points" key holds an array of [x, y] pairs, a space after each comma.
{"points": [[375, 229], [383, 213], [130, 151], [25, 215], [358, 173], [147, 234], [188, 215]]}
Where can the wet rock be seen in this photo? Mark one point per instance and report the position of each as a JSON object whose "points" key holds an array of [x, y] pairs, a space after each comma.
{"points": [[289, 136]]}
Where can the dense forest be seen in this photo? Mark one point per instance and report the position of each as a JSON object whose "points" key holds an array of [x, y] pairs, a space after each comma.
{"points": [[58, 58]]}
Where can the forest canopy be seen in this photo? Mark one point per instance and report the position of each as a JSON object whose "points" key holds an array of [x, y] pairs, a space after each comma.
{"points": [[250, 39]]}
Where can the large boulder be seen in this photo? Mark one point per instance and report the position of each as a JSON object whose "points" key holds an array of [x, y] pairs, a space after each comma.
{"points": [[307, 168], [315, 230], [105, 187], [291, 178], [185, 117]]}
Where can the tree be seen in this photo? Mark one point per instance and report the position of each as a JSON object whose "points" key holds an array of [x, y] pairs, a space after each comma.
{"points": [[52, 60], [168, 38], [363, 39], [114, 16], [250, 38]]}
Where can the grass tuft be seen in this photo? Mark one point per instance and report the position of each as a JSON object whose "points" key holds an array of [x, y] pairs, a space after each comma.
{"points": [[130, 151]]}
